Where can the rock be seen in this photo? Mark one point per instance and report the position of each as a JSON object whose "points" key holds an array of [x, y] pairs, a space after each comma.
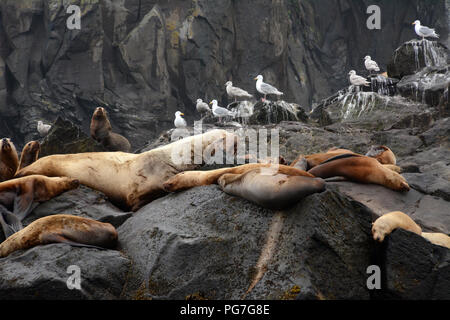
{"points": [[381, 85], [429, 184], [276, 112], [83, 202], [65, 137], [428, 211], [204, 241], [41, 273], [414, 55], [414, 268], [429, 86]]}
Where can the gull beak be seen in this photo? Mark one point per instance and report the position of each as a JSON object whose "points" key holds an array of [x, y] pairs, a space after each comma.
{"points": [[255, 78], [413, 23], [210, 102], [182, 114]]}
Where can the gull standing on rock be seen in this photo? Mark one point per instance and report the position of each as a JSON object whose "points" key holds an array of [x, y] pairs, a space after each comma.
{"points": [[357, 80], [43, 129], [220, 112], [423, 31], [179, 121], [265, 88], [371, 65], [235, 92], [202, 107]]}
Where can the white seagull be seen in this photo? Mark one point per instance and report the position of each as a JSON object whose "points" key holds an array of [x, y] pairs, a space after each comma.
{"points": [[220, 112], [423, 31], [265, 88], [43, 129], [235, 92], [371, 65], [179, 121], [202, 107], [357, 80]]}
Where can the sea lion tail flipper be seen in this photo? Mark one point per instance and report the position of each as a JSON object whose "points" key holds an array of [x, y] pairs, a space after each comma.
{"points": [[23, 205], [9, 222], [57, 238]]}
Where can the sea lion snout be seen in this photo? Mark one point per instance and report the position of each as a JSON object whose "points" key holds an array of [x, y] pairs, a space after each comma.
{"points": [[75, 183]]}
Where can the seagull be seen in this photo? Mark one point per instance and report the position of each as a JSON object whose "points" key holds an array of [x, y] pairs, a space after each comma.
{"points": [[202, 107], [43, 129], [179, 121], [423, 31], [357, 80], [220, 112], [235, 92], [265, 88], [371, 65]]}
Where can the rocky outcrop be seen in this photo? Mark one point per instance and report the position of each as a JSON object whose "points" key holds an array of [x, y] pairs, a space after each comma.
{"points": [[144, 60]]}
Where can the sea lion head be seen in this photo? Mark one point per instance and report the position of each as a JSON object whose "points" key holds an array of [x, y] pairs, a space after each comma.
{"points": [[379, 230], [100, 125], [6, 144], [383, 154], [33, 147]]}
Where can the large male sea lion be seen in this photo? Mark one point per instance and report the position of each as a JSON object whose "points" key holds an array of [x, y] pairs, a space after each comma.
{"points": [[101, 131], [61, 228], [387, 223], [20, 196], [360, 169], [274, 191], [9, 161], [129, 180], [191, 179], [30, 154]]}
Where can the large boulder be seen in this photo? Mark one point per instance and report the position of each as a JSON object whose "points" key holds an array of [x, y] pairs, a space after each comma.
{"points": [[42, 273], [414, 268], [203, 241]]}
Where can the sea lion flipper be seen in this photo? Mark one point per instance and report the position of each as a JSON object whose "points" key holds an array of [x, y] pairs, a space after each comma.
{"points": [[23, 205], [57, 238], [9, 222]]}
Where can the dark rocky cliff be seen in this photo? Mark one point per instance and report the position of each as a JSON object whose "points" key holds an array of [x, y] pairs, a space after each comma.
{"points": [[143, 60]]}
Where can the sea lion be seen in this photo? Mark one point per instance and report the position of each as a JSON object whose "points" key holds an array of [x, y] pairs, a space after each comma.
{"points": [[439, 239], [30, 154], [191, 179], [20, 196], [383, 154], [273, 191], [360, 169], [101, 131], [129, 180], [61, 228], [385, 224], [9, 161]]}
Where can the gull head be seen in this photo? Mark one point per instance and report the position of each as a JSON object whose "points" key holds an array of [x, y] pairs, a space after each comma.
{"points": [[214, 102], [367, 58], [199, 100], [229, 83], [352, 72], [40, 123], [260, 77], [417, 22], [178, 113]]}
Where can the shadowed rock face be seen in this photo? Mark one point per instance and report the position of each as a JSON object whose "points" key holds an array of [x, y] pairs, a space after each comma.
{"points": [[144, 60]]}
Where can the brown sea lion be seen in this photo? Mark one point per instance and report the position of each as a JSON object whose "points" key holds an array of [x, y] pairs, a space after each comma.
{"points": [[387, 223], [20, 196], [191, 179], [9, 161], [383, 154], [61, 228], [273, 191], [360, 169], [129, 180], [30, 154], [101, 131]]}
